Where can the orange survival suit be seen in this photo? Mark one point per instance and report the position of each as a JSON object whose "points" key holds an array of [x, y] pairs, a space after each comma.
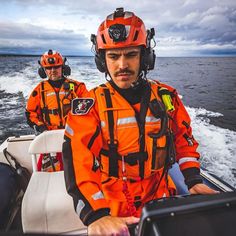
{"points": [[116, 155], [48, 106]]}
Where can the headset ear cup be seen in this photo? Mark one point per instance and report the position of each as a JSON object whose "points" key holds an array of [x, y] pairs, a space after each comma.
{"points": [[100, 63], [66, 70], [151, 58], [42, 73], [148, 59], [144, 60]]}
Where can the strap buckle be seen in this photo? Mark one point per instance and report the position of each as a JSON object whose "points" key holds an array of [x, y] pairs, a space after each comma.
{"points": [[112, 143], [53, 111]]}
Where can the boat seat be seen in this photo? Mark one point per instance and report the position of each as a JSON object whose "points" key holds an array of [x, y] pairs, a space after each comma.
{"points": [[47, 208], [18, 148]]}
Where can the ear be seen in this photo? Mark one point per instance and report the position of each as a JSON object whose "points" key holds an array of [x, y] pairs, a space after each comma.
{"points": [[42, 72]]}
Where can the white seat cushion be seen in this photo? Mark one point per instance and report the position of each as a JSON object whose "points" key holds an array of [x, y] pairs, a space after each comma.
{"points": [[47, 207]]}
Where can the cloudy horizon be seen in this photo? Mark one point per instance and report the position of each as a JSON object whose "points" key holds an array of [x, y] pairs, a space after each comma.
{"points": [[183, 27]]}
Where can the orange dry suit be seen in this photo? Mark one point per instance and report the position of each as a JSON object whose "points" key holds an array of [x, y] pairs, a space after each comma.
{"points": [[48, 106], [116, 154]]}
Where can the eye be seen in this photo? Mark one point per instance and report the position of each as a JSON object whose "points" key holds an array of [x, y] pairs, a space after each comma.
{"points": [[132, 54], [113, 56]]}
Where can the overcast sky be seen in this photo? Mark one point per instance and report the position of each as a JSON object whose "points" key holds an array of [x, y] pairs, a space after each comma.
{"points": [[183, 27]]}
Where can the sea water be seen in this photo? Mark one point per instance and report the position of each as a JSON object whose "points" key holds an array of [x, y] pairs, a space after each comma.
{"points": [[207, 87]]}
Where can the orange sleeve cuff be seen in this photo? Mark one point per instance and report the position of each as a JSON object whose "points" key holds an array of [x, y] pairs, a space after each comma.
{"points": [[189, 164]]}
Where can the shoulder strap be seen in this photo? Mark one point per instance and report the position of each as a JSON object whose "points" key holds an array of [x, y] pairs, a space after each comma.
{"points": [[141, 124], [44, 109], [112, 143], [42, 94]]}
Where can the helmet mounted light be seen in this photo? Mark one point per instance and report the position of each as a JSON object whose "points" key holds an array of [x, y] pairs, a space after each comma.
{"points": [[117, 32], [51, 60]]}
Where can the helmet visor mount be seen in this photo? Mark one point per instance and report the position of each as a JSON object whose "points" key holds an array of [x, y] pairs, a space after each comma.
{"points": [[117, 32], [51, 60]]}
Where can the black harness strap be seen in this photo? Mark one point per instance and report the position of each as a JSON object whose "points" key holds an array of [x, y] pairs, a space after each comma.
{"points": [[141, 124], [131, 159], [45, 109], [112, 143], [59, 106], [154, 152]]}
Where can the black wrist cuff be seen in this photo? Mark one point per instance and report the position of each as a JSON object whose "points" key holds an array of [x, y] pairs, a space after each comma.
{"points": [[97, 215], [192, 176]]}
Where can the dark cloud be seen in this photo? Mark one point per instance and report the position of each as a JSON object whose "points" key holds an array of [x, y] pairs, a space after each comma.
{"points": [[197, 23], [27, 38], [212, 26]]}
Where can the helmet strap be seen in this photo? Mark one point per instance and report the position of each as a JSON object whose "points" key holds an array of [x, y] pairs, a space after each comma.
{"points": [[136, 84]]}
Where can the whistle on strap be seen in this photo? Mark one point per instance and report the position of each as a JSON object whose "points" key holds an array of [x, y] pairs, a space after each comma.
{"points": [[166, 98]]}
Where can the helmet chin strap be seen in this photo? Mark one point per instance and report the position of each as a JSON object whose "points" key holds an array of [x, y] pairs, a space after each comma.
{"points": [[138, 81]]}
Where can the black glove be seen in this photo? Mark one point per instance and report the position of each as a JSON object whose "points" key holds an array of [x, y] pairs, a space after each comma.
{"points": [[40, 128]]}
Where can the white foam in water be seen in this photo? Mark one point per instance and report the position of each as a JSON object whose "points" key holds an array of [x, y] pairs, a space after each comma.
{"points": [[20, 81], [216, 145], [28, 78]]}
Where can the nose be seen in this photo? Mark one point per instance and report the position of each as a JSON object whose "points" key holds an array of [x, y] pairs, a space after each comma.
{"points": [[123, 64]]}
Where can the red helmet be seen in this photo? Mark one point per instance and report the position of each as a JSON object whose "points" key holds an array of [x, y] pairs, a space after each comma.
{"points": [[124, 29], [51, 58], [121, 29]]}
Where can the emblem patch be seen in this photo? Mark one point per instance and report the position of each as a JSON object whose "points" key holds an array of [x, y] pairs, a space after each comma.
{"points": [[81, 106]]}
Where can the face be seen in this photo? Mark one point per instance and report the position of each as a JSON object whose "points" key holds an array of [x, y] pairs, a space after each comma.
{"points": [[54, 73], [123, 65]]}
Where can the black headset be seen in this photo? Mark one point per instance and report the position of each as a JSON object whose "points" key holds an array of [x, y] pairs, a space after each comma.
{"points": [[66, 70], [148, 55]]}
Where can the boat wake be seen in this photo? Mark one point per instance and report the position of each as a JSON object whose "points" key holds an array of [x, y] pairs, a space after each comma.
{"points": [[216, 145]]}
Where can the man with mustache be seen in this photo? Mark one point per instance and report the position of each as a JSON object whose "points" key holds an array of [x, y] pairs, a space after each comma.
{"points": [[50, 101], [118, 150]]}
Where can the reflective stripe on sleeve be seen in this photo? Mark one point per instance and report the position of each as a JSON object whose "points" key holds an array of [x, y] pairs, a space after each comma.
{"points": [[187, 159], [69, 130]]}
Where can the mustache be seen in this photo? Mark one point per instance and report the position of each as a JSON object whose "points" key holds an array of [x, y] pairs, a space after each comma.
{"points": [[126, 71]]}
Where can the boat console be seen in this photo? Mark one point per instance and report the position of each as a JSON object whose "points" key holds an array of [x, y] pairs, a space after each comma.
{"points": [[211, 215]]}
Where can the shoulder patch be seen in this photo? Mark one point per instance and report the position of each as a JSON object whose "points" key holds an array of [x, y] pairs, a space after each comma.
{"points": [[81, 106]]}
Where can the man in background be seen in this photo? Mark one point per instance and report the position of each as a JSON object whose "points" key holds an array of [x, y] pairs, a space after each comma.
{"points": [[50, 101]]}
